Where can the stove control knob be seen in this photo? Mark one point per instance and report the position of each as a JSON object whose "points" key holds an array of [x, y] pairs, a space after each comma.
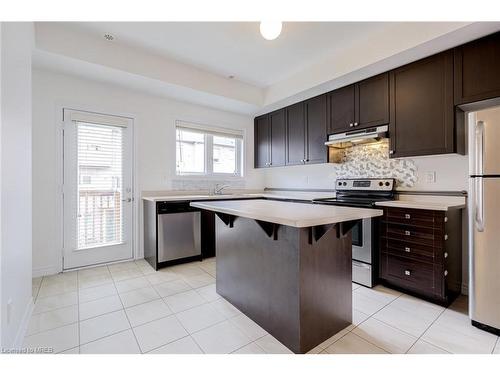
{"points": [[387, 183], [340, 183], [344, 183], [380, 183]]}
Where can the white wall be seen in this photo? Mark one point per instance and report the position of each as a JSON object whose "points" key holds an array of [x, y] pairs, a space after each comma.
{"points": [[154, 119], [450, 170], [15, 178]]}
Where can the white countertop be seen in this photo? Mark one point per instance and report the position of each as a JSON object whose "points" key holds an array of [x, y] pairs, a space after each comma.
{"points": [[293, 214], [296, 195], [426, 202]]}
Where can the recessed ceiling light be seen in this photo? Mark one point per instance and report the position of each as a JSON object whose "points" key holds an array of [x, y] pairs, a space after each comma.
{"points": [[230, 76], [109, 37], [270, 29]]}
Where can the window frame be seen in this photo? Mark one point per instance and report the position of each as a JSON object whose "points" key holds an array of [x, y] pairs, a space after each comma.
{"points": [[208, 133]]}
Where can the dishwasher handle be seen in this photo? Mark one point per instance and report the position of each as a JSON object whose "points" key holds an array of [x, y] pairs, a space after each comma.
{"points": [[163, 208]]}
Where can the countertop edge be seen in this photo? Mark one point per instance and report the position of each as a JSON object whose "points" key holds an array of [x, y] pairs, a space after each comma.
{"points": [[291, 223], [420, 206]]}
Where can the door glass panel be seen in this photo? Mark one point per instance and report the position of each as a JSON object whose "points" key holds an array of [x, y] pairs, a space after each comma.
{"points": [[100, 185]]}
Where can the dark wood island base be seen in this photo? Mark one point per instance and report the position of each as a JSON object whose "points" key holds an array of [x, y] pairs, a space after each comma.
{"points": [[294, 282]]}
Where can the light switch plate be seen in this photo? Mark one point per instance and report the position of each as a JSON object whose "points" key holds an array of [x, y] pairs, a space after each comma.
{"points": [[430, 177]]}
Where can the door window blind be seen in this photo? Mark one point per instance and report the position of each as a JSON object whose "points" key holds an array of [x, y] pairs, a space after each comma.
{"points": [[100, 185]]}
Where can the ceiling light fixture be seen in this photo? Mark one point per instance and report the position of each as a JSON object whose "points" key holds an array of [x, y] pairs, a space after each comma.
{"points": [[109, 37], [270, 29]]}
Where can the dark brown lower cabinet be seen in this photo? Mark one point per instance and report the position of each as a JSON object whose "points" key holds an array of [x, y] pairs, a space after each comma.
{"points": [[421, 252]]}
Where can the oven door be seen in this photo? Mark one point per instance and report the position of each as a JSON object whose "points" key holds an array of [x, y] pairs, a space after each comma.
{"points": [[362, 241]]}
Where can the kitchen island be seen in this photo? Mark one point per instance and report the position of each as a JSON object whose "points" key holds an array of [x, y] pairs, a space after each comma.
{"points": [[287, 265]]}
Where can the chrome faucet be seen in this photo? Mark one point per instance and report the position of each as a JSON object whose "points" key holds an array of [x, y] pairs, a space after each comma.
{"points": [[218, 189]]}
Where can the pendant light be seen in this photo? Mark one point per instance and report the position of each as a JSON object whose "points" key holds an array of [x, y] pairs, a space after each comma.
{"points": [[270, 29]]}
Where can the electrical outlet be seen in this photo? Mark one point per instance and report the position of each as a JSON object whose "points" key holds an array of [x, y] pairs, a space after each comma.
{"points": [[430, 177]]}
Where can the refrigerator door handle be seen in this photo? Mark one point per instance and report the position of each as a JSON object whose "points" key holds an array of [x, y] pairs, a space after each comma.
{"points": [[479, 156], [479, 209]]}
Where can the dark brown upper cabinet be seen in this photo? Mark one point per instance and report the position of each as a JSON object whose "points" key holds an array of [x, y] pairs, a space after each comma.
{"points": [[278, 138], [361, 105], [341, 109], [306, 132], [296, 134], [422, 111], [316, 124], [477, 70], [372, 102], [262, 144], [269, 142]]}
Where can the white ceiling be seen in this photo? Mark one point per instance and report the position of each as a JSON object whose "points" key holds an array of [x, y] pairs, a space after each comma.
{"points": [[191, 61], [237, 48]]}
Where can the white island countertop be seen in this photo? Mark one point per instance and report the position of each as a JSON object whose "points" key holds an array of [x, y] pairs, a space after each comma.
{"points": [[299, 215]]}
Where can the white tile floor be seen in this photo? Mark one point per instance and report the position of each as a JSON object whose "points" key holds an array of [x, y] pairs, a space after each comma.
{"points": [[130, 308]]}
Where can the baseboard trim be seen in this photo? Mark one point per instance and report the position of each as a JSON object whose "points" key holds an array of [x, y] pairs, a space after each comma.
{"points": [[45, 271], [23, 326]]}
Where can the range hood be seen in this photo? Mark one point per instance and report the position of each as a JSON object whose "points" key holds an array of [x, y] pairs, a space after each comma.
{"points": [[348, 139]]}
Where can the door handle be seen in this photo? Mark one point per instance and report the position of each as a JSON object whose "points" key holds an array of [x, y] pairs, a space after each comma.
{"points": [[128, 200], [479, 156], [479, 209]]}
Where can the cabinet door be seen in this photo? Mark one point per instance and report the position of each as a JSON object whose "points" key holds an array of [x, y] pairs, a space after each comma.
{"points": [[262, 131], [296, 136], [477, 70], [341, 111], [422, 113], [278, 140], [316, 123], [372, 102]]}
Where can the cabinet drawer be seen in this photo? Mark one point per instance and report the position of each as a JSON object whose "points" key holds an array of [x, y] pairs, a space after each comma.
{"points": [[419, 276], [421, 236], [411, 250], [420, 218]]}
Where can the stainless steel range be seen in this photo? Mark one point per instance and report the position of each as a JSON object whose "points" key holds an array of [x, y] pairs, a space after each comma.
{"points": [[363, 193]]}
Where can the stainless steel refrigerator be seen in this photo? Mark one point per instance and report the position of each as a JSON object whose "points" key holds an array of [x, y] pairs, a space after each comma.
{"points": [[484, 218]]}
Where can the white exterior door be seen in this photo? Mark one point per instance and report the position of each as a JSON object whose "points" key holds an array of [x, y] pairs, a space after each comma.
{"points": [[98, 196]]}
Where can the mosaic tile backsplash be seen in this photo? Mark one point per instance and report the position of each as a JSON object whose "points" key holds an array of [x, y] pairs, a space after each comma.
{"points": [[372, 160]]}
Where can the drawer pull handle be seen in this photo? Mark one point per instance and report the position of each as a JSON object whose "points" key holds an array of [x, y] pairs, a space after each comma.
{"points": [[446, 219], [407, 249], [446, 273], [446, 255], [407, 273], [445, 237], [407, 233], [407, 216]]}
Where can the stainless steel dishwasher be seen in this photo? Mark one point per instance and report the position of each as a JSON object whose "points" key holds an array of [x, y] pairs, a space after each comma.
{"points": [[179, 231]]}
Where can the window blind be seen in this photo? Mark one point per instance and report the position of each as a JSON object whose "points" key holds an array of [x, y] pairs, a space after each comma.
{"points": [[100, 184]]}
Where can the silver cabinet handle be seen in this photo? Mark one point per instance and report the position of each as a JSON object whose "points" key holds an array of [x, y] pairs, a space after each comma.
{"points": [[446, 255], [407, 249], [446, 272], [407, 233], [270, 163], [446, 219], [351, 125], [407, 216], [407, 272], [356, 124], [391, 152], [445, 237], [128, 200]]}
